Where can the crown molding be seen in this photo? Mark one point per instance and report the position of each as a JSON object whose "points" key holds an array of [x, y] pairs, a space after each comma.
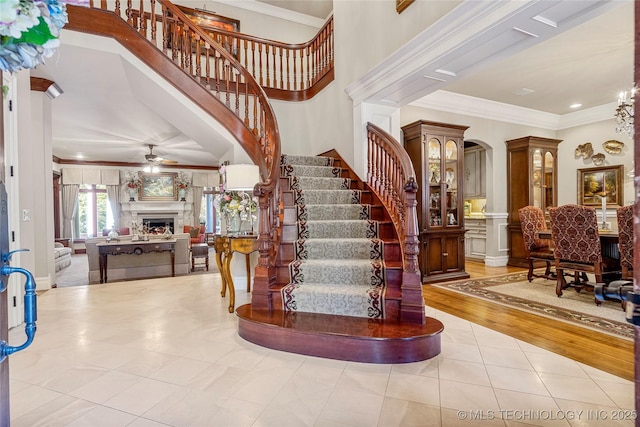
{"points": [[491, 110], [276, 12]]}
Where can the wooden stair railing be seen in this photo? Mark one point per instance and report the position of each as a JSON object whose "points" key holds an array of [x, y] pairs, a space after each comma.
{"points": [[289, 72], [391, 176], [210, 76]]}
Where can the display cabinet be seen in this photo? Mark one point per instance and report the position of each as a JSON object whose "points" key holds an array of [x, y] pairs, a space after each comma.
{"points": [[532, 180], [437, 153]]}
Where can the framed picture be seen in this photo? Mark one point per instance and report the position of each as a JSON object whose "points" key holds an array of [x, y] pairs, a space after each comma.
{"points": [[593, 183], [158, 186], [206, 19]]}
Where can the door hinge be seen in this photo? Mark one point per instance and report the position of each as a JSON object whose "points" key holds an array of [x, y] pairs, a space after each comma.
{"points": [[10, 105], [15, 302], [13, 236], [10, 170]]}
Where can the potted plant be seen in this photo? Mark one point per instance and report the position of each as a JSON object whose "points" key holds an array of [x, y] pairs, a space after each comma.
{"points": [[182, 182], [132, 182]]}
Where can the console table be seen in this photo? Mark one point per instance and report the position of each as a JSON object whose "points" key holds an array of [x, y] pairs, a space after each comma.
{"points": [[134, 248], [225, 246]]}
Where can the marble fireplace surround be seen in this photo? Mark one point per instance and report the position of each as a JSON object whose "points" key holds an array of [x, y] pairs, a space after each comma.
{"points": [[181, 212]]}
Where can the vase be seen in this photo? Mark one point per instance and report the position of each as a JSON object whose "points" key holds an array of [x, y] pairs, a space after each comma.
{"points": [[182, 193], [132, 194], [233, 224]]}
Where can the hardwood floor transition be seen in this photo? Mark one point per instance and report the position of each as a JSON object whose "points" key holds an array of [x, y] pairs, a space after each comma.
{"points": [[608, 353]]}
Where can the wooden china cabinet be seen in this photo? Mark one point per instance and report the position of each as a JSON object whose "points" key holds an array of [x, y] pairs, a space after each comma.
{"points": [[532, 180], [437, 153]]}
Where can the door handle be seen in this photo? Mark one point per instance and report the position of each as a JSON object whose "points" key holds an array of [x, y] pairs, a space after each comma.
{"points": [[30, 307]]}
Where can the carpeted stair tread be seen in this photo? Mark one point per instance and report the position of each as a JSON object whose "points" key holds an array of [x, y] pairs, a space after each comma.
{"points": [[338, 229], [310, 170], [341, 249], [349, 272], [325, 212], [319, 183], [327, 197], [294, 160], [359, 301]]}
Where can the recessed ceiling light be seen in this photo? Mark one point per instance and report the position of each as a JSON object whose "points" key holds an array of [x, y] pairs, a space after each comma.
{"points": [[576, 105], [79, 156]]}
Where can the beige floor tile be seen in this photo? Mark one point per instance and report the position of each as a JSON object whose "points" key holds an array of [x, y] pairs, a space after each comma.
{"points": [[464, 372], [413, 388], [511, 358], [467, 397], [521, 380], [402, 413], [573, 388], [555, 364]]}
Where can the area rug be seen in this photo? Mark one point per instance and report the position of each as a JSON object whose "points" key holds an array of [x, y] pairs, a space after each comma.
{"points": [[539, 297]]}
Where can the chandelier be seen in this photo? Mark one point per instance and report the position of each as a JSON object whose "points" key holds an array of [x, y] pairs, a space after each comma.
{"points": [[624, 112]]}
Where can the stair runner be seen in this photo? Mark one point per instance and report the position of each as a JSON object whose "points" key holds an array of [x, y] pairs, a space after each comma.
{"points": [[338, 266]]}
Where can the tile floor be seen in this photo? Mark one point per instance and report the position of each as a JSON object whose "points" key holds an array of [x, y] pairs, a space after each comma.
{"points": [[165, 352]]}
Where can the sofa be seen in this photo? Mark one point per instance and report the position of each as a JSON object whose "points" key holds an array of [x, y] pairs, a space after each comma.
{"points": [[143, 266], [62, 256]]}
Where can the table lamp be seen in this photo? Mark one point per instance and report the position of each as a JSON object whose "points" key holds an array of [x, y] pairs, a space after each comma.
{"points": [[242, 178]]}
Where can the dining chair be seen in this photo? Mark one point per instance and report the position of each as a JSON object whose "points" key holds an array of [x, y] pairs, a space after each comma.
{"points": [[625, 240], [577, 247], [532, 221]]}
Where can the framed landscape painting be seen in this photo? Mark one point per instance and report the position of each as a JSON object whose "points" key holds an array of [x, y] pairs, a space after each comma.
{"points": [[594, 183], [158, 186]]}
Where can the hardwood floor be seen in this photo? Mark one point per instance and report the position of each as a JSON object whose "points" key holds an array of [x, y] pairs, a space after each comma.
{"points": [[602, 351]]}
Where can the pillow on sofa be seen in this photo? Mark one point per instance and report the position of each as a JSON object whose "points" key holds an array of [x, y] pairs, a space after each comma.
{"points": [[194, 232]]}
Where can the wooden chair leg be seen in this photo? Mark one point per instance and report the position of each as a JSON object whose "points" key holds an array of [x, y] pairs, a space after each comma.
{"points": [[530, 273], [561, 283]]}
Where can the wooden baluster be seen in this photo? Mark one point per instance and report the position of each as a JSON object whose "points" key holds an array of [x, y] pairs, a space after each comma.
{"points": [[261, 80], [117, 9], [246, 105], [267, 50], [237, 90], [207, 58], [143, 21], [152, 21], [198, 59], [227, 78], [103, 5], [295, 69], [288, 74], [308, 70], [130, 15], [165, 31]]}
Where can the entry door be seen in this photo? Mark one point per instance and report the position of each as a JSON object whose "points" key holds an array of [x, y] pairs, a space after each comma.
{"points": [[4, 313]]}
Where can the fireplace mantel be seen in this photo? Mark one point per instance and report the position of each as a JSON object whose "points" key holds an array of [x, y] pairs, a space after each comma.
{"points": [[181, 212]]}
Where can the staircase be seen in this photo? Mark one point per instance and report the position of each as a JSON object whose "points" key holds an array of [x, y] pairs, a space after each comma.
{"points": [[309, 297], [339, 271]]}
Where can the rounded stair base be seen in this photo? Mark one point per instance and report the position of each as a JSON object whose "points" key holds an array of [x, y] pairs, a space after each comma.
{"points": [[349, 338]]}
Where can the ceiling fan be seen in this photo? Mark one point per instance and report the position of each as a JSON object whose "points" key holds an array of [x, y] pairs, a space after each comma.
{"points": [[153, 160]]}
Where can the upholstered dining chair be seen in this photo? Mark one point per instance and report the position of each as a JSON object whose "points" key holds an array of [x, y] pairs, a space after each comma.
{"points": [[625, 240], [574, 230], [532, 221]]}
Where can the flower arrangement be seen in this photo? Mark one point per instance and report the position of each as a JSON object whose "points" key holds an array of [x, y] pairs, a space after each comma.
{"points": [[183, 181], [238, 203], [132, 180], [29, 31]]}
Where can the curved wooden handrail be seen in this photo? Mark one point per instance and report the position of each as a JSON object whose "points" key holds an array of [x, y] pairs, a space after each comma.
{"points": [[391, 176], [290, 72], [207, 74]]}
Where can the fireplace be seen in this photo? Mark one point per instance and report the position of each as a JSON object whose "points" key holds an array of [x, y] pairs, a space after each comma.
{"points": [[158, 225], [158, 214]]}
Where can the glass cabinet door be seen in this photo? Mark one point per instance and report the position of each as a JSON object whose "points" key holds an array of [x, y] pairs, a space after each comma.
{"points": [[435, 180], [450, 176], [549, 180], [537, 179]]}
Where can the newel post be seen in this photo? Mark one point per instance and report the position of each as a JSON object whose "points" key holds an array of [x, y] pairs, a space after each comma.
{"points": [[412, 309], [264, 272]]}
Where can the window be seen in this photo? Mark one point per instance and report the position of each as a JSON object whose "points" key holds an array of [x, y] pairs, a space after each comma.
{"points": [[208, 213], [93, 213]]}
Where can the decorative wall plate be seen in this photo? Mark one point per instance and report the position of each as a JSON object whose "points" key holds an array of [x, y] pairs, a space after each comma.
{"points": [[613, 147], [598, 159], [584, 150]]}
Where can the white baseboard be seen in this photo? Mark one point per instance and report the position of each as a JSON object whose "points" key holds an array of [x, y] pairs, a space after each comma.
{"points": [[496, 261], [43, 283]]}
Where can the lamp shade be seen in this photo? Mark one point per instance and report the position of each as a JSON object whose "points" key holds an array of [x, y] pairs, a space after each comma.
{"points": [[241, 177]]}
